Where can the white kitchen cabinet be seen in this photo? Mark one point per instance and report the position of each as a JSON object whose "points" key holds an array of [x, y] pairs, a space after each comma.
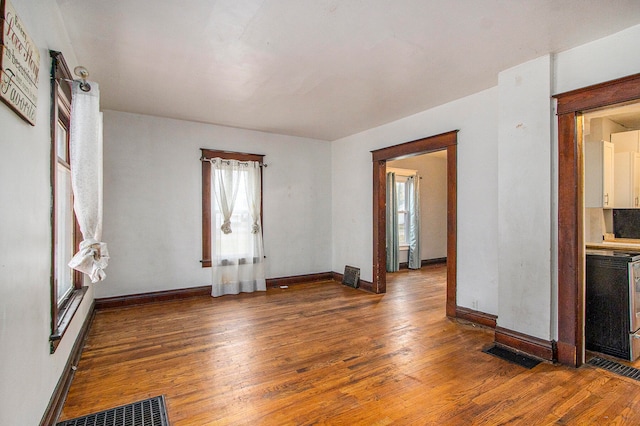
{"points": [[626, 141], [627, 180], [599, 174]]}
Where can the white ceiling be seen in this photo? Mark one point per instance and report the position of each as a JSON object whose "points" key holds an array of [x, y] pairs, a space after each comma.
{"points": [[323, 69]]}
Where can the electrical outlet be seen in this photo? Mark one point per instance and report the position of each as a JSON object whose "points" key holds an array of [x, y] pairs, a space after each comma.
{"points": [[474, 304]]}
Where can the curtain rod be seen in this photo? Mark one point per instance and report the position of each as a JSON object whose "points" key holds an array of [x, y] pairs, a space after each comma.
{"points": [[83, 73], [84, 86], [228, 160]]}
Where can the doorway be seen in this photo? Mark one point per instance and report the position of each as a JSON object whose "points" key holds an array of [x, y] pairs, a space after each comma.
{"points": [[421, 206], [571, 256], [446, 141]]}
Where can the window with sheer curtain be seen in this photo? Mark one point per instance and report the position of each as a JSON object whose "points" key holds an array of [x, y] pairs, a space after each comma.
{"points": [[232, 221], [403, 217], [64, 230], [66, 284], [402, 209]]}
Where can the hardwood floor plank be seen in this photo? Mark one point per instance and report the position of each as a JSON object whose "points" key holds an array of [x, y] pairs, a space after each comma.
{"points": [[324, 353]]}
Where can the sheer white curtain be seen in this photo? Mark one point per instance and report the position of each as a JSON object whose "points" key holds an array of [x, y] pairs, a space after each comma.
{"points": [[226, 179], [237, 254], [85, 153]]}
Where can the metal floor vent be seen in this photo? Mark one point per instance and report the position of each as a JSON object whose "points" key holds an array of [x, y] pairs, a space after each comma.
{"points": [[150, 412], [614, 367], [351, 276], [512, 356]]}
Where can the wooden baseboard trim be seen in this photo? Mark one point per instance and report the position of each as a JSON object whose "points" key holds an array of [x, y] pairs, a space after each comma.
{"points": [[535, 346], [299, 279], [482, 318], [366, 286], [185, 293], [426, 262], [435, 261], [156, 296], [64, 383]]}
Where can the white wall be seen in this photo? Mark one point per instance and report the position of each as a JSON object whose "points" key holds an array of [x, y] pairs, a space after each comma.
{"points": [[28, 373], [153, 201], [476, 118], [524, 198], [600, 129], [433, 203], [602, 60]]}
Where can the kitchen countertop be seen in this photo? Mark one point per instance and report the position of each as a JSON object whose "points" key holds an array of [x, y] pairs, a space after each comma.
{"points": [[615, 245]]}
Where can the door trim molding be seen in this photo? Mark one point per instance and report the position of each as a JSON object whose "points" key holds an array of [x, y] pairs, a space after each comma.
{"points": [[570, 106], [445, 141]]}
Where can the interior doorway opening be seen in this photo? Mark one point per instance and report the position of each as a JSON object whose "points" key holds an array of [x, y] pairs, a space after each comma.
{"points": [[571, 244], [611, 143], [448, 142], [419, 211]]}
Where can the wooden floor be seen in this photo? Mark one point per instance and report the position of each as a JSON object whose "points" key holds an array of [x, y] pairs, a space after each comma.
{"points": [[324, 353]]}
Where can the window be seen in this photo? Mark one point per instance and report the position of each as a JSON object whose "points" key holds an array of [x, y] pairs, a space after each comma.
{"points": [[64, 220], [402, 209], [236, 243], [241, 209], [66, 284], [402, 188]]}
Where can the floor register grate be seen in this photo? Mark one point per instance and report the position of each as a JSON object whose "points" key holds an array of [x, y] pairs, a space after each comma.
{"points": [[351, 276], [150, 412], [512, 356], [614, 367]]}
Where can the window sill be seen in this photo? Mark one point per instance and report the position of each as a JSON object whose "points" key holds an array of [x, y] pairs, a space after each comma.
{"points": [[66, 315], [403, 248]]}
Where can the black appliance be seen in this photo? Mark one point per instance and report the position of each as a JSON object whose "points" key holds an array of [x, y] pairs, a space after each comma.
{"points": [[612, 308]]}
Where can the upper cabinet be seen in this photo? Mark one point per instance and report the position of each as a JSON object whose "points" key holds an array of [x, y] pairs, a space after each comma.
{"points": [[626, 141], [599, 174], [627, 180]]}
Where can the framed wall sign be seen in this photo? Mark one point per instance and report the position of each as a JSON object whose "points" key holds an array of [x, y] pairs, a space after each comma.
{"points": [[19, 65]]}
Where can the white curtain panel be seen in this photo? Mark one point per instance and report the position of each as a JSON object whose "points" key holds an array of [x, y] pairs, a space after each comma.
{"points": [[225, 186], [85, 152], [254, 196], [237, 254]]}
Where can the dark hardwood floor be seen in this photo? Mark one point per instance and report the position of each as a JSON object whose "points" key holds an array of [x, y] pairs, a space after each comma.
{"points": [[324, 353]]}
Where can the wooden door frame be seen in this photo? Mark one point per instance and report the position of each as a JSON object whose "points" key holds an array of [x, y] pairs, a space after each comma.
{"points": [[445, 141], [571, 260]]}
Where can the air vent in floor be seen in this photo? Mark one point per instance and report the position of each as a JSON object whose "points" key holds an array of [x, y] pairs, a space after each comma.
{"points": [[150, 412], [512, 356], [614, 367], [351, 276]]}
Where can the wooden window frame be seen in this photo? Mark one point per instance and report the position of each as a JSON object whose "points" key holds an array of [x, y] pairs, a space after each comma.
{"points": [[61, 314], [208, 154]]}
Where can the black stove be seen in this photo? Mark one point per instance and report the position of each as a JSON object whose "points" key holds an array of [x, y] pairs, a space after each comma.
{"points": [[631, 256]]}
